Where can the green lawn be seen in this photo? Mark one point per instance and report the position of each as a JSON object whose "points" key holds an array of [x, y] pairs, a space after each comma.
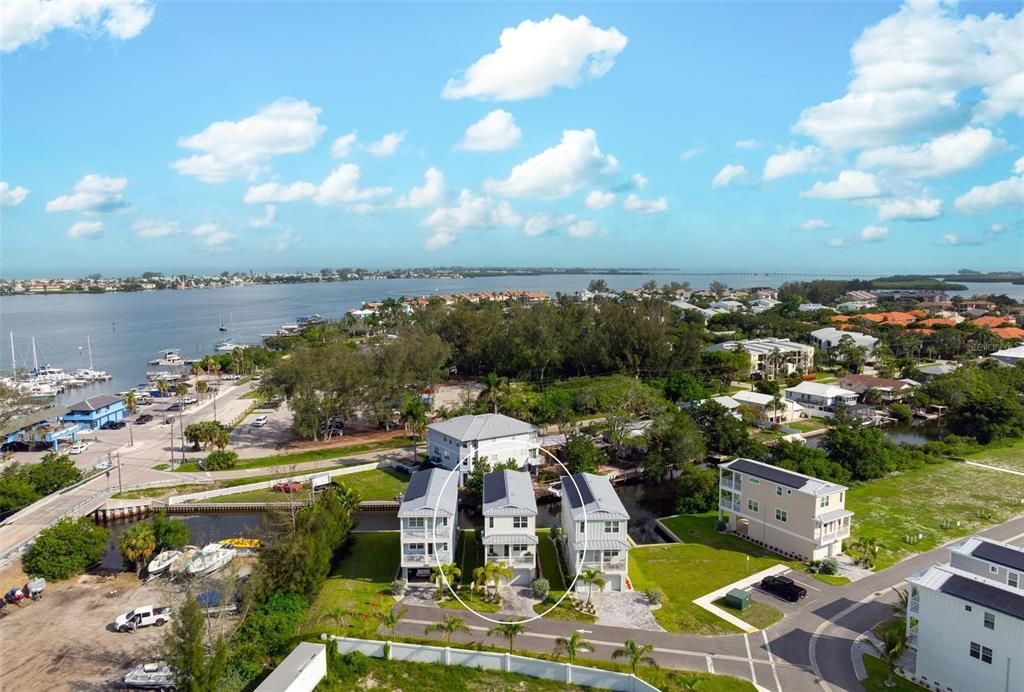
{"points": [[311, 455], [564, 610], [548, 555], [355, 595], [806, 425], [705, 561], [930, 501], [1010, 456], [470, 600], [759, 615], [877, 675], [832, 579], [375, 484], [470, 555]]}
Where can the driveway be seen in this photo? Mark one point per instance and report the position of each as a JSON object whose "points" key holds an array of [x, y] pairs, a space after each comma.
{"points": [[625, 609]]}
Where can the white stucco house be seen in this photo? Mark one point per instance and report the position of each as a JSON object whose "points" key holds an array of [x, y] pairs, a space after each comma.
{"points": [[772, 357], [1010, 356], [510, 523], [820, 399], [460, 442], [594, 523], [429, 518], [828, 338], [966, 619]]}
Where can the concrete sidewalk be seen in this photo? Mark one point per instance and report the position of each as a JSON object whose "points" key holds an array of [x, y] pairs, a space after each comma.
{"points": [[707, 601]]}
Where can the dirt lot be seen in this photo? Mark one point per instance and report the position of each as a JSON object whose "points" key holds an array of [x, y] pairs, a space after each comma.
{"points": [[65, 641]]}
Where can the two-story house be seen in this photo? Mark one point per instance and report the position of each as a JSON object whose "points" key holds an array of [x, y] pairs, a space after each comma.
{"points": [[594, 523], [819, 399], [429, 516], [510, 523], [785, 511], [771, 358], [93, 412], [460, 442], [828, 338], [966, 619]]}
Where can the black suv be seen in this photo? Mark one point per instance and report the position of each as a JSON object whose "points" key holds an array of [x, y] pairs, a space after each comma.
{"points": [[143, 419], [784, 587], [113, 425]]}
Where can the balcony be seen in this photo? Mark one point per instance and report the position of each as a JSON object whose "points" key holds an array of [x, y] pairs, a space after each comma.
{"points": [[729, 506], [425, 560], [825, 538], [609, 566], [439, 532], [733, 484], [516, 561]]}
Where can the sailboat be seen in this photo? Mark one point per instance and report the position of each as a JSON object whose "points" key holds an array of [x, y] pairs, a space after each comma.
{"points": [[222, 327]]}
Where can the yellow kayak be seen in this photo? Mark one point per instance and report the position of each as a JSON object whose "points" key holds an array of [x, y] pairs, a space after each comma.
{"points": [[242, 543]]}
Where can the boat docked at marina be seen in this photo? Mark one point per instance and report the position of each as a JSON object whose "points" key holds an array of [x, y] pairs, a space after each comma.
{"points": [[169, 356]]}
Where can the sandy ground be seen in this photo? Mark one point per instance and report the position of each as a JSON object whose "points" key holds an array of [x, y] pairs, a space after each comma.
{"points": [[66, 641]]}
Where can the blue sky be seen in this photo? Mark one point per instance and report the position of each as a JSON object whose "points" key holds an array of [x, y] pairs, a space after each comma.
{"points": [[804, 136]]}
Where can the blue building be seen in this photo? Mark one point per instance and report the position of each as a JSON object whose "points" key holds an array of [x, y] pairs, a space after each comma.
{"points": [[95, 411], [37, 430]]}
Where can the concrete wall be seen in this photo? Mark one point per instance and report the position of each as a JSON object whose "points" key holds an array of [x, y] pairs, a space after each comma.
{"points": [[301, 671], [509, 663]]}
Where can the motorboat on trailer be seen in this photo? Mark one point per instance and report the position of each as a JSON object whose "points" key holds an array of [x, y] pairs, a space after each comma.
{"points": [[162, 562], [150, 676]]}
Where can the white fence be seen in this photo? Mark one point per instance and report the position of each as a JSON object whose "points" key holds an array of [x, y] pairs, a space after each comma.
{"points": [[488, 660], [263, 485]]}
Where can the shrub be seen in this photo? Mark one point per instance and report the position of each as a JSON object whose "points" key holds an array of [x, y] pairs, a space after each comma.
{"points": [[65, 549], [654, 596], [220, 460], [721, 525], [398, 587], [541, 588], [828, 566], [900, 412]]}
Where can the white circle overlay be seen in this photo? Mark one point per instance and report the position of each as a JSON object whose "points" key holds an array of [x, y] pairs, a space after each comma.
{"points": [[579, 568]]}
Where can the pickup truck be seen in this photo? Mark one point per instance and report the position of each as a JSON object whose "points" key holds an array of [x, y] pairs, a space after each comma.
{"points": [[784, 587], [143, 616]]}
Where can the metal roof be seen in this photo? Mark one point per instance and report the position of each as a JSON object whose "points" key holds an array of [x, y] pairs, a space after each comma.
{"points": [[510, 539], [94, 403], [603, 544], [487, 426], [424, 494], [984, 594], [790, 479], [32, 419], [508, 493], [834, 515], [596, 497], [289, 670]]}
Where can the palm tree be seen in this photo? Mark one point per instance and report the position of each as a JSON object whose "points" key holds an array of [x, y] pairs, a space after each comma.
{"points": [[181, 389], [636, 653], [130, 402], [480, 577], [202, 387], [893, 642], [571, 646], [902, 602], [450, 571], [197, 369], [137, 545], [238, 358], [508, 630], [688, 681], [414, 417], [447, 627], [163, 387], [494, 387], [497, 571], [392, 619], [592, 578]]}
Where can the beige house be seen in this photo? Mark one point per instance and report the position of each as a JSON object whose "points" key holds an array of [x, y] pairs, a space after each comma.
{"points": [[785, 511], [771, 358]]}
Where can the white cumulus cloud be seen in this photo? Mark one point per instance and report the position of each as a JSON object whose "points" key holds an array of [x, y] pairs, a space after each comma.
{"points": [[638, 181], [873, 234], [12, 196], [386, 145], [951, 153], [559, 170], [470, 212], [848, 185], [496, 131], [644, 206], [242, 148], [954, 239], [584, 228], [535, 57], [599, 200], [982, 198], [909, 209], [93, 194], [691, 153], [275, 192], [815, 225], [156, 228], [729, 173], [342, 146], [748, 144], [269, 216], [539, 224], [427, 195], [86, 230], [26, 22], [342, 186], [792, 162], [214, 237], [282, 243]]}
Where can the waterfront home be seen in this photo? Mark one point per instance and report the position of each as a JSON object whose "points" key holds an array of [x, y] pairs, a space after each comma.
{"points": [[429, 517], [770, 358], [93, 412], [820, 399], [38, 429], [890, 389], [510, 524], [814, 307], [460, 442], [767, 409], [593, 535], [788, 512], [1010, 356], [828, 338], [930, 372], [966, 618]]}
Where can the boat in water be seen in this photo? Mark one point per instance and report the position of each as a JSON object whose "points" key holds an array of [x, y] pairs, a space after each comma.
{"points": [[161, 562], [310, 320], [227, 346], [210, 559], [169, 356], [150, 676]]}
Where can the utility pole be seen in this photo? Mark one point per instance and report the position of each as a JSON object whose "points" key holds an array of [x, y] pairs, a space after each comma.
{"points": [[131, 436], [120, 484], [172, 444]]}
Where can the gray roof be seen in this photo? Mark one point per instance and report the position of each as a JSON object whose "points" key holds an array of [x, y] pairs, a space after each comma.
{"points": [[94, 403], [596, 498], [985, 594], [424, 494], [790, 479], [993, 551], [511, 539], [30, 420], [509, 493], [291, 667], [483, 427], [603, 544]]}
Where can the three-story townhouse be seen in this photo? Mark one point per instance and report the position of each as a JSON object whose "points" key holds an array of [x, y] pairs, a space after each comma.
{"points": [[429, 518], [594, 536], [459, 442], [510, 524]]}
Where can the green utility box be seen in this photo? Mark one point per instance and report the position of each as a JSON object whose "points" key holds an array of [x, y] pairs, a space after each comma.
{"points": [[738, 599]]}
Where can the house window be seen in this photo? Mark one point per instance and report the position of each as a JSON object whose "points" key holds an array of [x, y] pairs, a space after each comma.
{"points": [[842, 496], [442, 521], [753, 505], [583, 527], [990, 620], [1013, 579], [490, 522], [754, 481], [611, 554], [781, 515], [611, 527], [993, 569], [778, 490], [823, 502], [518, 548], [983, 653], [415, 522], [520, 522], [415, 548], [968, 608]]}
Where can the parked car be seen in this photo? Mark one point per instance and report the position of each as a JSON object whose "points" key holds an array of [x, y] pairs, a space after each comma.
{"points": [[143, 616], [113, 425], [103, 465], [784, 587], [78, 448], [143, 419], [259, 421], [287, 487], [400, 467]]}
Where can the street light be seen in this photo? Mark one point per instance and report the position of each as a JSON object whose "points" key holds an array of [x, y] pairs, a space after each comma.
{"points": [[131, 437]]}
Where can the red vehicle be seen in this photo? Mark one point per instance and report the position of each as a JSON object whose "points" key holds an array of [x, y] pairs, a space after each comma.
{"points": [[287, 487]]}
